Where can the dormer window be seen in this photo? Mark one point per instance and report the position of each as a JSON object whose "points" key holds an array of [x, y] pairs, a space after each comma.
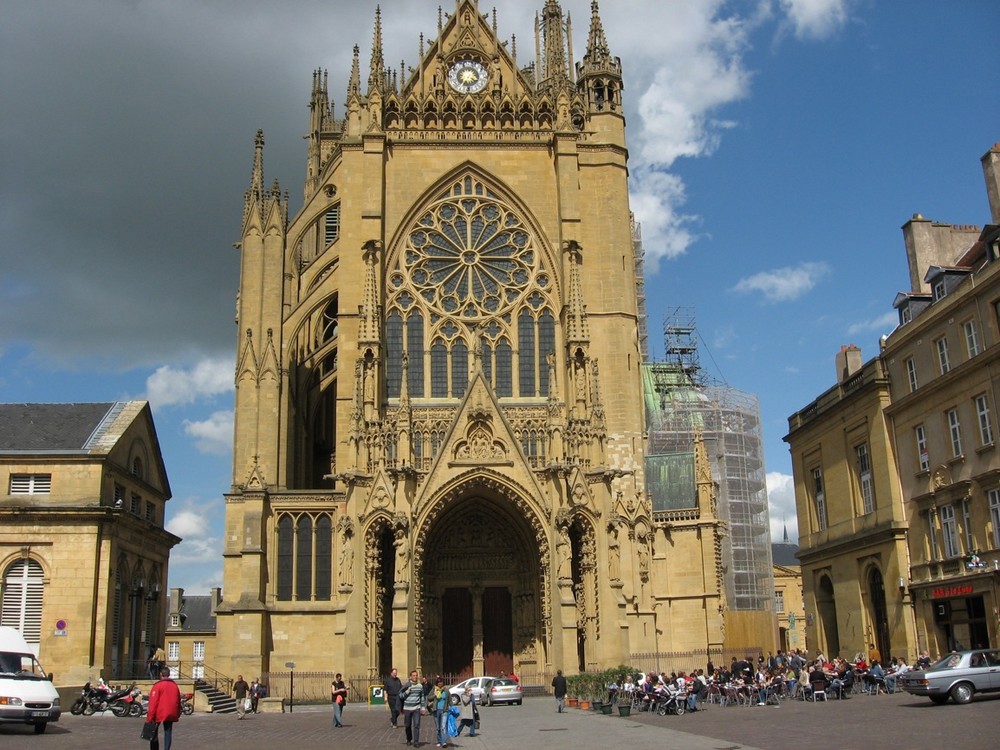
{"points": [[905, 316], [938, 290]]}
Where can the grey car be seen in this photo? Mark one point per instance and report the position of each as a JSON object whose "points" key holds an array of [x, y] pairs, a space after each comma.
{"points": [[959, 675]]}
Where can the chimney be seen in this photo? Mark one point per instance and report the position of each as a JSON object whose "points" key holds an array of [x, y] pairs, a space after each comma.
{"points": [[991, 171], [216, 598], [848, 362]]}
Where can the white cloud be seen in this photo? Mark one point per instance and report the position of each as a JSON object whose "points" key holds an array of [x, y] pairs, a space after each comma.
{"points": [[213, 435], [815, 19], [784, 284], [885, 323], [195, 522], [207, 378], [781, 505], [687, 71]]}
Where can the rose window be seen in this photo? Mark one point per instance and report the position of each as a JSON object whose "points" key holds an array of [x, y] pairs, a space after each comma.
{"points": [[469, 258]]}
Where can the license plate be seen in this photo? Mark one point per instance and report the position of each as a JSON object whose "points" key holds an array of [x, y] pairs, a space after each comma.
{"points": [[40, 714]]}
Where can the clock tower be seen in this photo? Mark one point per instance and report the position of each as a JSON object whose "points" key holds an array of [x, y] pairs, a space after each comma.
{"points": [[439, 416]]}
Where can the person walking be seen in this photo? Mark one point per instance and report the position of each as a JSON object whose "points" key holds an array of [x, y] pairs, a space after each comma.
{"points": [[241, 690], [559, 689], [413, 697], [467, 713], [338, 695], [164, 708], [441, 711], [392, 687]]}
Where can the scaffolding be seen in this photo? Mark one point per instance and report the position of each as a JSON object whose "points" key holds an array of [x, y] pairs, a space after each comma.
{"points": [[680, 406]]}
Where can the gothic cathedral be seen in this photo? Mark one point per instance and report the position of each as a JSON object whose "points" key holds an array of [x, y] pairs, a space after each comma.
{"points": [[439, 416]]}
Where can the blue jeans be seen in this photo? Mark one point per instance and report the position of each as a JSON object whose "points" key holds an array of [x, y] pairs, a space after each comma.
{"points": [[442, 725], [338, 714], [168, 733], [412, 722]]}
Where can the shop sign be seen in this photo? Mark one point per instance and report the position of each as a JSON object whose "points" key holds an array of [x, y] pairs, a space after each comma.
{"points": [[943, 592]]}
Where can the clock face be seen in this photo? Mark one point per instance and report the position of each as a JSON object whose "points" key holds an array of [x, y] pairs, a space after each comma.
{"points": [[468, 76]]}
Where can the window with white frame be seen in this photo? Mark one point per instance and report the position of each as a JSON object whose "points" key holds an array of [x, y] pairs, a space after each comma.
{"points": [[955, 431], [949, 531], [819, 498], [779, 601], [198, 671], [865, 478], [173, 650], [911, 374], [932, 536], [938, 290], [175, 621], [994, 500], [905, 315], [971, 338], [30, 484], [967, 524], [942, 351], [23, 585], [923, 460], [198, 651], [983, 416]]}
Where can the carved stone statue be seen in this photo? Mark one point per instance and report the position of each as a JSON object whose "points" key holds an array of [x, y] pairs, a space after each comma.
{"points": [[402, 544], [563, 553], [345, 568], [614, 554]]}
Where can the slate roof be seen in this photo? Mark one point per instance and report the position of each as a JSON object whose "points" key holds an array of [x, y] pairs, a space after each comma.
{"points": [[59, 428], [785, 554], [196, 614]]}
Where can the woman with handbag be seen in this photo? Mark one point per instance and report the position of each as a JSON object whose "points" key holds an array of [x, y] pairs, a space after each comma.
{"points": [[338, 696], [164, 708]]}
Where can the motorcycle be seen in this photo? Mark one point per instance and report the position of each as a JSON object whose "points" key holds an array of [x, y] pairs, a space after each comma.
{"points": [[129, 704], [77, 708]]}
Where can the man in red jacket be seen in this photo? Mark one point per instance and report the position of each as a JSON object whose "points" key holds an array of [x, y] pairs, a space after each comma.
{"points": [[164, 708]]}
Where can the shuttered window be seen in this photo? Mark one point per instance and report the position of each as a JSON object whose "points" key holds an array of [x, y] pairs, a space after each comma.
{"points": [[30, 484], [23, 585]]}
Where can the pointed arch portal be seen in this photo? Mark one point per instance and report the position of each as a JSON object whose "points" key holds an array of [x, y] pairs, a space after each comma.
{"points": [[481, 588]]}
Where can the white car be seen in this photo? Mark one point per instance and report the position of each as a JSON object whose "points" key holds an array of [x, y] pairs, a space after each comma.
{"points": [[480, 687]]}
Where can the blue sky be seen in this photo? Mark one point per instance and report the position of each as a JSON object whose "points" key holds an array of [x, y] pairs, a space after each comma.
{"points": [[776, 149]]}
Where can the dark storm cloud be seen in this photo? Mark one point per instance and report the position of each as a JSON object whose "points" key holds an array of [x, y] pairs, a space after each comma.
{"points": [[127, 137]]}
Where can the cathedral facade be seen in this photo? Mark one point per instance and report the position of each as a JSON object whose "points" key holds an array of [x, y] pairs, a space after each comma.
{"points": [[439, 429]]}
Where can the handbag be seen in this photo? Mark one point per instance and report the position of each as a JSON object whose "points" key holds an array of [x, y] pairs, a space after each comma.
{"points": [[247, 704], [148, 731]]}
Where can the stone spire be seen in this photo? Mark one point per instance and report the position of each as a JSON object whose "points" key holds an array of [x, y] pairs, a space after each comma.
{"points": [[598, 56], [577, 327], [255, 193], [553, 63], [354, 82], [600, 74], [376, 76], [368, 332]]}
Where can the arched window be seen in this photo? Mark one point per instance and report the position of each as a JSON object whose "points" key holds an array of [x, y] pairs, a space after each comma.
{"points": [[286, 546], [470, 277], [324, 559], [23, 590], [303, 559]]}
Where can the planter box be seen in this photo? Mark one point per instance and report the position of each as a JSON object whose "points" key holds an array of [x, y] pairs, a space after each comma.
{"points": [[606, 709], [624, 710]]}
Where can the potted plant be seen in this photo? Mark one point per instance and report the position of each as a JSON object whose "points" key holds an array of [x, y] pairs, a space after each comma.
{"points": [[574, 686]]}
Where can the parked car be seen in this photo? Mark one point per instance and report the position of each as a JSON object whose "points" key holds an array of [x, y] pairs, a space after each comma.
{"points": [[958, 676], [503, 690], [479, 687]]}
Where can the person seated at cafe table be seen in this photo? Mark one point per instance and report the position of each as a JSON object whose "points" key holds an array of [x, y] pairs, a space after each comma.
{"points": [[874, 677], [817, 681]]}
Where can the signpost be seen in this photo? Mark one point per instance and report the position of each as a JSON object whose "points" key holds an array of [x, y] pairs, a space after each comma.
{"points": [[291, 685]]}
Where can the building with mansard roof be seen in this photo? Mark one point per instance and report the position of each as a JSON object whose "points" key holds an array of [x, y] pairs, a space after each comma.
{"points": [[439, 427], [83, 551]]}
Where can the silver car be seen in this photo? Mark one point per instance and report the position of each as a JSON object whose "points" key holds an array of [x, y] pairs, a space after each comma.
{"points": [[959, 676]]}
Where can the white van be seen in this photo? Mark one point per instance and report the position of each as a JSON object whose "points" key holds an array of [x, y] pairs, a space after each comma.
{"points": [[26, 692]]}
